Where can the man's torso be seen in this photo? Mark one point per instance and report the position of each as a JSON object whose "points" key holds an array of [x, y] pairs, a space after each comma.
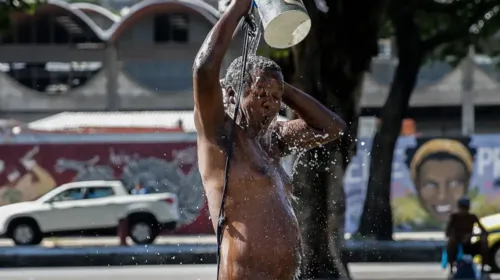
{"points": [[261, 225]]}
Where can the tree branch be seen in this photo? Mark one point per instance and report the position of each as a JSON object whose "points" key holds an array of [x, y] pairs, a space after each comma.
{"points": [[449, 35]]}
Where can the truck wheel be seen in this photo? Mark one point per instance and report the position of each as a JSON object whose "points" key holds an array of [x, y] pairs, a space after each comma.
{"points": [[25, 232], [143, 231]]}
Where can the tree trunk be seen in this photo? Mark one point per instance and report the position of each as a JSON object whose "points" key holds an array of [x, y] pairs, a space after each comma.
{"points": [[329, 65], [376, 220], [311, 189]]}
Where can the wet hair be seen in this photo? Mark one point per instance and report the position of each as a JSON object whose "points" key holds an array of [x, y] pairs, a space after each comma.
{"points": [[233, 74]]}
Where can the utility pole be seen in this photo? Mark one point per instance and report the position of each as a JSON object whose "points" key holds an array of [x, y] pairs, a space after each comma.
{"points": [[468, 95], [112, 68]]}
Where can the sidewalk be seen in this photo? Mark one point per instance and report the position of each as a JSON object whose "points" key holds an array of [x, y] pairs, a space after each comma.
{"points": [[191, 239], [61, 252]]}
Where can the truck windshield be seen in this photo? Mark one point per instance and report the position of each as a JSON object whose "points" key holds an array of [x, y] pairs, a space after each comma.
{"points": [[48, 196]]}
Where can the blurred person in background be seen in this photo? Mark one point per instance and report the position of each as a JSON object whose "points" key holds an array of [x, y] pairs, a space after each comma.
{"points": [[139, 189], [459, 232]]}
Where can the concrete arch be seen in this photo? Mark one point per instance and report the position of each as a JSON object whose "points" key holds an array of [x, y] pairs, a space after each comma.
{"points": [[137, 12], [102, 17], [57, 7], [92, 8], [146, 8]]}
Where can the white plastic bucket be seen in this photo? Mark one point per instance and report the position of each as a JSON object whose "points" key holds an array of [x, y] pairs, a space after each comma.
{"points": [[286, 22]]}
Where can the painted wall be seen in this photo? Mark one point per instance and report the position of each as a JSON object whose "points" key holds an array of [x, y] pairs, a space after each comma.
{"points": [[429, 176], [27, 171], [33, 164]]}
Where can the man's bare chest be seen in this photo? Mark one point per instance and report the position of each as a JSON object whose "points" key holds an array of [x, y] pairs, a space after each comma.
{"points": [[257, 171], [251, 168]]}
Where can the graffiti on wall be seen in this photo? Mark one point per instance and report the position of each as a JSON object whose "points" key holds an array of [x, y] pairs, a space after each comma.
{"points": [[27, 172], [24, 178], [429, 176]]}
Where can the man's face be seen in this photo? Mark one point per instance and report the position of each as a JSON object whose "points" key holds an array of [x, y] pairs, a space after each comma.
{"points": [[261, 102], [441, 183]]}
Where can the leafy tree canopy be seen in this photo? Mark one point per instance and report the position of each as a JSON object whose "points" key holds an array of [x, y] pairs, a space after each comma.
{"points": [[448, 27], [7, 7]]}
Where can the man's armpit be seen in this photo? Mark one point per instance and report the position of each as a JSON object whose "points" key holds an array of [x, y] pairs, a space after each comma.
{"points": [[288, 138]]}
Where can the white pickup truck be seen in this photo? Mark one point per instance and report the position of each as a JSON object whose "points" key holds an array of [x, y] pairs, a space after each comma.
{"points": [[89, 207]]}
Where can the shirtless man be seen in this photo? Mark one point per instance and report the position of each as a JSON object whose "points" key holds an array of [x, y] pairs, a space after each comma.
{"points": [[261, 234], [459, 231]]}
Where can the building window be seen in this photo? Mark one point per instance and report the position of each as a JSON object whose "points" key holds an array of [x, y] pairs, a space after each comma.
{"points": [[162, 28], [171, 28], [180, 28]]}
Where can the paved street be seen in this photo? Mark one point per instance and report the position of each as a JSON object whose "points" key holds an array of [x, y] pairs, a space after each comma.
{"points": [[202, 272]]}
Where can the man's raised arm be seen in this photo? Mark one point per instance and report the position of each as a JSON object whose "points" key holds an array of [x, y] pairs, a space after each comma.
{"points": [[316, 125], [209, 108]]}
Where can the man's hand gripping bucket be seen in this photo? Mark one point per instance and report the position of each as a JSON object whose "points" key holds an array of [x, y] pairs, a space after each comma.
{"points": [[286, 22]]}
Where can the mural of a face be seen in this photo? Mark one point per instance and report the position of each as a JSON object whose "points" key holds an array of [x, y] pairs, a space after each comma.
{"points": [[441, 170]]}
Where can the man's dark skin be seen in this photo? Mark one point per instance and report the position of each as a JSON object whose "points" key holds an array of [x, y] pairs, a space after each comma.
{"points": [[459, 231], [261, 235]]}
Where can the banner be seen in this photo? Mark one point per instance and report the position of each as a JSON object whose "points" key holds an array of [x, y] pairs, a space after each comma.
{"points": [[429, 175]]}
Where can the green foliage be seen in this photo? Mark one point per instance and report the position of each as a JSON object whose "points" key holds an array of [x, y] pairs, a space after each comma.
{"points": [[275, 54], [447, 28], [8, 7], [386, 29], [473, 193], [465, 25]]}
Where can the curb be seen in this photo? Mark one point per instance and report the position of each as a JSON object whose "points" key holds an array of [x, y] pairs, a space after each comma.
{"points": [[107, 256], [12, 257], [393, 251]]}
